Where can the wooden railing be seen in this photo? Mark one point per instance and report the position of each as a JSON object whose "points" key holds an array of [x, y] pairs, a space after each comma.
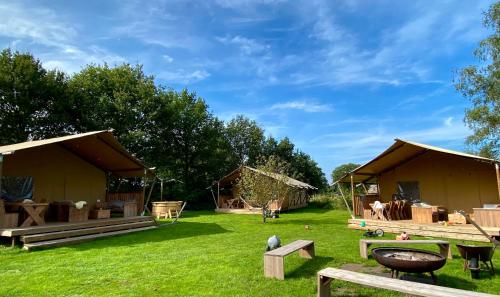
{"points": [[128, 196]]}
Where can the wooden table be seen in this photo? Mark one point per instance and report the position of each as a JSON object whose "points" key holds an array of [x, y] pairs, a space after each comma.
{"points": [[35, 212]]}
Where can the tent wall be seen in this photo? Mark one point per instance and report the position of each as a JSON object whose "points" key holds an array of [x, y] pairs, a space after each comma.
{"points": [[58, 174], [454, 182]]}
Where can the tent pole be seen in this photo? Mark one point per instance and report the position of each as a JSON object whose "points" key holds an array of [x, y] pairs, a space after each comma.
{"points": [[161, 189], [497, 168], [345, 200], [145, 180], [1, 165], [352, 190], [149, 196], [213, 196], [218, 191]]}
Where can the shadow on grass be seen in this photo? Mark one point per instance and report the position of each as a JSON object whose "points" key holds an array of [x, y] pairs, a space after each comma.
{"points": [[165, 232], [326, 221], [309, 209], [309, 268]]}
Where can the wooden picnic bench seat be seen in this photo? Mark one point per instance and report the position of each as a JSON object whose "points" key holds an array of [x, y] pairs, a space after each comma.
{"points": [[274, 265], [364, 244], [326, 275]]}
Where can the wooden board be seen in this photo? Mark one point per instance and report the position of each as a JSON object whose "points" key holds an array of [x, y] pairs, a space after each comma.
{"points": [[49, 227], [79, 239], [433, 230], [380, 282], [86, 231], [290, 248]]}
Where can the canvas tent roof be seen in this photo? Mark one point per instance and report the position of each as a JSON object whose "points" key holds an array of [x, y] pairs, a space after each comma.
{"points": [[400, 152], [99, 148], [288, 180]]}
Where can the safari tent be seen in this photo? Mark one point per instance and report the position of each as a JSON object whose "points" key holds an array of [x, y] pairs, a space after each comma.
{"points": [[437, 176], [229, 198], [74, 167]]}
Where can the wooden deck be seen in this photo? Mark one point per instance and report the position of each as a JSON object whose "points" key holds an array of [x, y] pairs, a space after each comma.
{"points": [[461, 232], [56, 234]]}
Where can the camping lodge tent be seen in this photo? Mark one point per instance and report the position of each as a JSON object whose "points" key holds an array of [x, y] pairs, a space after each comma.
{"points": [[437, 176], [229, 194], [74, 167]]}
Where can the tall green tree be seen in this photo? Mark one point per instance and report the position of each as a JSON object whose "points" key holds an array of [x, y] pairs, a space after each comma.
{"points": [[481, 85], [340, 171], [32, 99], [113, 98], [246, 139]]}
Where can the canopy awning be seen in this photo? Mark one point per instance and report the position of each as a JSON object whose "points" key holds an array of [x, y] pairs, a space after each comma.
{"points": [[99, 148], [399, 153]]}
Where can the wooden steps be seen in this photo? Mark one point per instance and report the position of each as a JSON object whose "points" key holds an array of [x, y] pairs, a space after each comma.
{"points": [[80, 239], [463, 232], [81, 232], [54, 227], [57, 234]]}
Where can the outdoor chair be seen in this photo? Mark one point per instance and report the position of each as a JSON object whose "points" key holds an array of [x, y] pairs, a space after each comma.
{"points": [[124, 208]]}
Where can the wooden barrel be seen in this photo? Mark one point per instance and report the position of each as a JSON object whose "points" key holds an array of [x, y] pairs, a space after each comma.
{"points": [[160, 208]]}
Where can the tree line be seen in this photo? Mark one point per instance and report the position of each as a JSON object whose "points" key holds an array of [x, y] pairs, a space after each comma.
{"points": [[173, 131]]}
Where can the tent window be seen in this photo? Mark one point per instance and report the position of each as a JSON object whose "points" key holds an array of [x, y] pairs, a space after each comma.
{"points": [[15, 188], [409, 190]]}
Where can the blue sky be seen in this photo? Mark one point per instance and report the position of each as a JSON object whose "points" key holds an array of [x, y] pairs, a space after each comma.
{"points": [[341, 79]]}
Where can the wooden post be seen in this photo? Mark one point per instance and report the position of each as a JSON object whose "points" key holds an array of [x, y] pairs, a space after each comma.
{"points": [[497, 169]]}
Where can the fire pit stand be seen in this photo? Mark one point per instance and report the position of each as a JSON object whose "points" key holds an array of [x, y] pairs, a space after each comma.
{"points": [[409, 260]]}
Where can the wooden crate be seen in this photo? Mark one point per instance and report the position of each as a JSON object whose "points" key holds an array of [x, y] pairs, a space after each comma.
{"points": [[78, 215], [456, 218], [487, 217], [423, 215], [100, 214]]}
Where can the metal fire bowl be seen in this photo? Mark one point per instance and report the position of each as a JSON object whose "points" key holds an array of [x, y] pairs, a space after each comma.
{"points": [[408, 260], [483, 253]]}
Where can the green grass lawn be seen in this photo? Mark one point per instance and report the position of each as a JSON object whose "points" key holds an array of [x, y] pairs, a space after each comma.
{"points": [[206, 254]]}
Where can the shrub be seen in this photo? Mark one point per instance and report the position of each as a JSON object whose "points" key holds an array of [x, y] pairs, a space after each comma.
{"points": [[327, 201]]}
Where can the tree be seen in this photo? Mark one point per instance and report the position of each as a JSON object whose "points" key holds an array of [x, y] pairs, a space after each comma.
{"points": [[246, 139], [307, 170], [342, 170], [266, 184], [481, 85], [32, 99]]}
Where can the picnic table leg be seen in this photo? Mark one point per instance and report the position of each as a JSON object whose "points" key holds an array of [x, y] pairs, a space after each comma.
{"points": [[307, 252], [324, 286], [445, 250]]}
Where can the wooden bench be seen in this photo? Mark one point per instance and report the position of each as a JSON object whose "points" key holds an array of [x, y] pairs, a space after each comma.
{"points": [[326, 275], [364, 244], [274, 264]]}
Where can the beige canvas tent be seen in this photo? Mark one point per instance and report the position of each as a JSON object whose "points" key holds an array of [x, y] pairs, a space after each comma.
{"points": [[74, 167], [229, 196], [435, 175]]}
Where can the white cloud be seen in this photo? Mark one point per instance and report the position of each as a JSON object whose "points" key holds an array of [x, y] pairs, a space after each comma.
{"points": [[167, 58], [302, 105], [183, 76], [246, 45]]}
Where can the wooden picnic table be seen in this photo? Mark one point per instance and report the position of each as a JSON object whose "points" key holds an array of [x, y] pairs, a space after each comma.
{"points": [[34, 212]]}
